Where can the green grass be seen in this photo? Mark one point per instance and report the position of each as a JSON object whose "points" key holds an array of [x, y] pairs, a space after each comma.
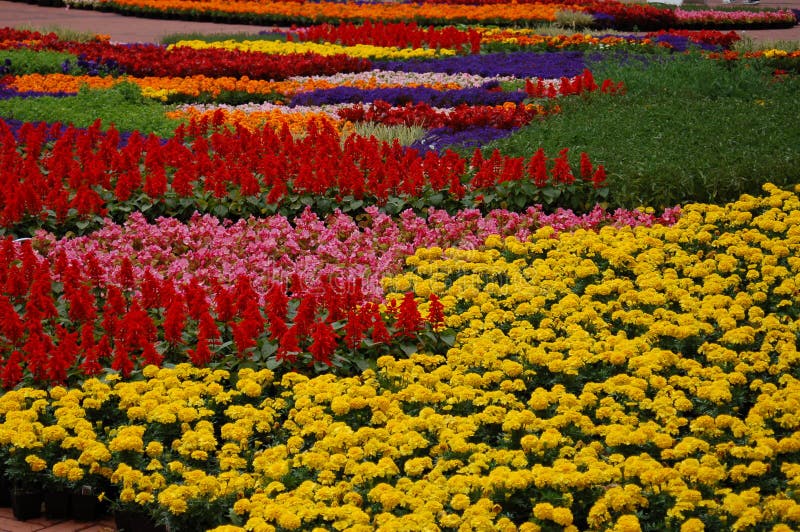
{"points": [[25, 61], [405, 135], [687, 130], [122, 105], [62, 33], [747, 44]]}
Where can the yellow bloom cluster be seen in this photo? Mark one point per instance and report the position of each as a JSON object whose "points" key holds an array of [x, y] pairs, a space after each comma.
{"points": [[613, 380], [326, 49]]}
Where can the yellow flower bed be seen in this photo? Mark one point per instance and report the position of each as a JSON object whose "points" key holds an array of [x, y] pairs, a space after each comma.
{"points": [[614, 380], [280, 47]]}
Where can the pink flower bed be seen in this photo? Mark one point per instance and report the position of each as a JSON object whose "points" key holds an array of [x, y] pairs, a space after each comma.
{"points": [[273, 249]]}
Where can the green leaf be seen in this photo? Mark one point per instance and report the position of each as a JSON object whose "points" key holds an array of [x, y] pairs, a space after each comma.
{"points": [[409, 349]]}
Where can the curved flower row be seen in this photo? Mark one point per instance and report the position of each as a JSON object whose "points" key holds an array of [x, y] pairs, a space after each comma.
{"points": [[225, 294], [254, 117], [627, 379], [318, 12], [86, 174], [701, 18], [163, 87], [366, 51], [154, 60], [399, 34]]}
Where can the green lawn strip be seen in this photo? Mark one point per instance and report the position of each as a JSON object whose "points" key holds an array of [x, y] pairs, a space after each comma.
{"points": [[123, 105], [25, 61], [687, 130]]}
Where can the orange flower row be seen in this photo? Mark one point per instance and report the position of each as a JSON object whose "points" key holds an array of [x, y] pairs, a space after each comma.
{"points": [[158, 87], [527, 38], [297, 123], [324, 11]]}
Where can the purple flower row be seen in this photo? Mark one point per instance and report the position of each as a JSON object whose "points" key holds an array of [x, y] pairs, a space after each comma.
{"points": [[522, 65], [403, 95]]}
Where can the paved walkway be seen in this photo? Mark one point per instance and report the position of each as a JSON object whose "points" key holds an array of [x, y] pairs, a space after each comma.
{"points": [[130, 29], [9, 524]]}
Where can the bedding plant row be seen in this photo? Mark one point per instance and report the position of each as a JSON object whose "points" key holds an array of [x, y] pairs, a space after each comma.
{"points": [[248, 316], [596, 13]]}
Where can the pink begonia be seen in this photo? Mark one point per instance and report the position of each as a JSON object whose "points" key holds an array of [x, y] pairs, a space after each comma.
{"points": [[750, 17], [342, 248]]}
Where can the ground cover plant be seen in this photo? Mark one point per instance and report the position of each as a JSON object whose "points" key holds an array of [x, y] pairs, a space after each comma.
{"points": [[223, 306]]}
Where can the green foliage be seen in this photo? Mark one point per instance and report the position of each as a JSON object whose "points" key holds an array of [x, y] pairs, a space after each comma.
{"points": [[26, 61], [65, 34], [122, 105], [405, 135], [567, 18], [688, 129]]}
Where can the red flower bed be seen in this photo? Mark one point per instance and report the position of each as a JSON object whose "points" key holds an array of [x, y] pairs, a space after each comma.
{"points": [[463, 117], [460, 118], [85, 173], [51, 332], [725, 40], [402, 35], [153, 60]]}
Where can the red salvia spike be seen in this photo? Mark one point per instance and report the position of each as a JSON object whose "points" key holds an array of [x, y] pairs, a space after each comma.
{"points": [[175, 321], [150, 287], [586, 167], [122, 360], [380, 333], [208, 327], [12, 370], [477, 159], [599, 177], [289, 346], [11, 325], [150, 356], [324, 341], [201, 355], [354, 328], [63, 356], [588, 80], [435, 313], [409, 320]]}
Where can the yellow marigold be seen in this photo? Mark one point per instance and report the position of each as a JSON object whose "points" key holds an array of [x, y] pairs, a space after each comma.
{"points": [[627, 523], [693, 525]]}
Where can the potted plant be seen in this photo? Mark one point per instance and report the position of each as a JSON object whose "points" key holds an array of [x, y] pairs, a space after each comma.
{"points": [[23, 470], [80, 488]]}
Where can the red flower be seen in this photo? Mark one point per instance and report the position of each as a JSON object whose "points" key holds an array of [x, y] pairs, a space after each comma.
{"points": [[436, 313], [289, 346], [380, 334], [174, 321], [409, 321], [12, 370], [586, 166], [91, 351], [324, 342], [599, 177], [537, 168], [122, 360], [245, 333], [63, 356], [11, 326], [201, 356]]}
